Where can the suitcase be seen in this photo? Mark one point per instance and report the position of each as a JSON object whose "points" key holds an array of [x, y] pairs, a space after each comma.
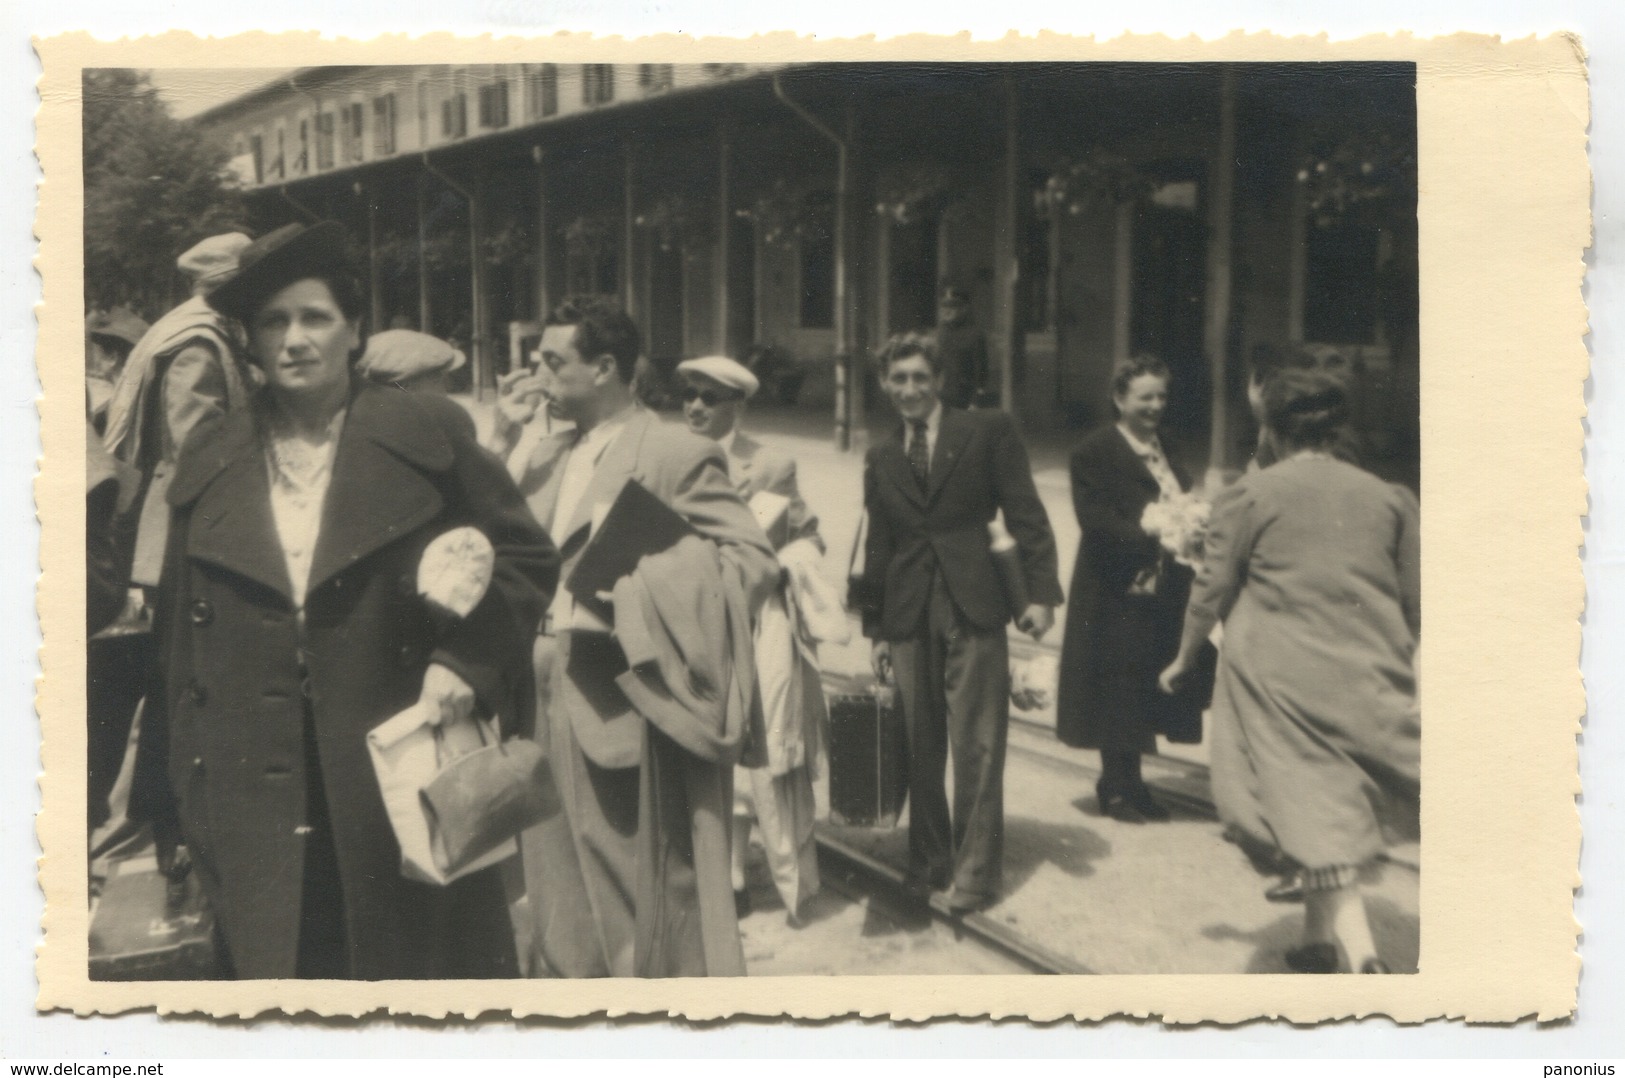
{"points": [[145, 928], [868, 754]]}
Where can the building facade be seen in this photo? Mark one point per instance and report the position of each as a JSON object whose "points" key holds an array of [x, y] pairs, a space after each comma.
{"points": [[1202, 212]]}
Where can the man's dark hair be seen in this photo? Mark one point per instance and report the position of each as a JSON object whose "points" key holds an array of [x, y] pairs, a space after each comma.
{"points": [[601, 327], [906, 345]]}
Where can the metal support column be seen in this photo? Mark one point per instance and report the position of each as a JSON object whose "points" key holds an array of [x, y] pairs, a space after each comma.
{"points": [[719, 273], [544, 298], [1216, 323], [374, 274], [424, 312], [629, 233], [1006, 262], [479, 349]]}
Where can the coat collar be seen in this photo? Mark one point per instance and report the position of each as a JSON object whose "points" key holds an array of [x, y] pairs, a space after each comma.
{"points": [[1131, 463], [742, 458], [382, 488]]}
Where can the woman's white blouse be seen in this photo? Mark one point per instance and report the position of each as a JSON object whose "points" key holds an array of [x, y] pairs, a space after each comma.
{"points": [[300, 472]]}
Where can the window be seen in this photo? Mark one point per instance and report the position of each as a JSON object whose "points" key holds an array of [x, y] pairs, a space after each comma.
{"points": [[1033, 276], [355, 121], [1341, 283], [597, 84], [454, 116], [494, 104], [256, 150], [653, 78], [302, 165], [324, 140], [542, 92], [279, 164], [383, 125], [817, 262], [423, 115]]}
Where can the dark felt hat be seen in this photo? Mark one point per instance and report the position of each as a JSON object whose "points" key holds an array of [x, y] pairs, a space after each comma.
{"points": [[276, 260], [120, 324]]}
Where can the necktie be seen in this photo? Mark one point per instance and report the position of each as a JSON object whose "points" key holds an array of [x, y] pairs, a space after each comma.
{"points": [[919, 454]]}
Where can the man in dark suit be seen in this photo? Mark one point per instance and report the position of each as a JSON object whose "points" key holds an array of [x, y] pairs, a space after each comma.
{"points": [[936, 608]]}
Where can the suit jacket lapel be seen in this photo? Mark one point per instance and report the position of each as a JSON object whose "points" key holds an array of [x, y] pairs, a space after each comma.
{"points": [[742, 461], [543, 473], [893, 459], [952, 437], [614, 468]]}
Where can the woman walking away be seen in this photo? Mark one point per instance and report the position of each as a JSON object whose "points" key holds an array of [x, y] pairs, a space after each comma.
{"points": [[291, 624], [1128, 595], [1312, 564]]}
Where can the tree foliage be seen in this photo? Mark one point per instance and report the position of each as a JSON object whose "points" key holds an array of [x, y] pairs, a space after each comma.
{"points": [[154, 185]]}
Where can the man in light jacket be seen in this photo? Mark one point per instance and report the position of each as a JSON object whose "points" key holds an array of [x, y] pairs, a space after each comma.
{"points": [[627, 880]]}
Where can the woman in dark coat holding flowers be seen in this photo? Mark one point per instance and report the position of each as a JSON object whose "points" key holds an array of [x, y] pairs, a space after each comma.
{"points": [[1127, 598], [291, 624]]}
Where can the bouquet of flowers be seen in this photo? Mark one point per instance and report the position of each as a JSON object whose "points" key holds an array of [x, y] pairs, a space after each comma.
{"points": [[1180, 524]]}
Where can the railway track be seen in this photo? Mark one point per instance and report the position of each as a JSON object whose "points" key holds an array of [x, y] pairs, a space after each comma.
{"points": [[859, 876]]}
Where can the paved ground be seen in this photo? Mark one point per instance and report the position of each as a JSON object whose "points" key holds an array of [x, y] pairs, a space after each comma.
{"points": [[1116, 898]]}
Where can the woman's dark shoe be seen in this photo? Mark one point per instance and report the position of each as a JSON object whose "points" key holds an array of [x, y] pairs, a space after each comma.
{"points": [[1374, 965], [741, 903], [1313, 958], [1116, 804], [1289, 889], [1148, 806]]}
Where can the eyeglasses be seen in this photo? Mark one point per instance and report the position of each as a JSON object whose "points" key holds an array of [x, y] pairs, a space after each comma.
{"points": [[708, 397]]}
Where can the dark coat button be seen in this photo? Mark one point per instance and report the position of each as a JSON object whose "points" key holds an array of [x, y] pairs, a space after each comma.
{"points": [[198, 693], [202, 612]]}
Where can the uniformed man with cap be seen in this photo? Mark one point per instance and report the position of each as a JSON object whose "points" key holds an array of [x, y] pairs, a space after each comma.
{"points": [[962, 347], [775, 786]]}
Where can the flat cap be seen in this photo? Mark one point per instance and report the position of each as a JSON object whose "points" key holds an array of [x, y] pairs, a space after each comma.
{"points": [[213, 261], [397, 355], [722, 370]]}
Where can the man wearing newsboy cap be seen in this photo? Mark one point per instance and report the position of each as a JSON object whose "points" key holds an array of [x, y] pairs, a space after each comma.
{"points": [[773, 787], [185, 369]]}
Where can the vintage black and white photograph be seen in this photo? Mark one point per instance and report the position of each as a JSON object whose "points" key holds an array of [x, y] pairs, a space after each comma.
{"points": [[690, 520]]}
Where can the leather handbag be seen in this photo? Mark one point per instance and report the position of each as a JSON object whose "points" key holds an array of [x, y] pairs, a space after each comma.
{"points": [[482, 799]]}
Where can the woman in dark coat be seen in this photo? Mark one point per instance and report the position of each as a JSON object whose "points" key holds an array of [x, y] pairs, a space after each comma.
{"points": [[291, 625], [1127, 599]]}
